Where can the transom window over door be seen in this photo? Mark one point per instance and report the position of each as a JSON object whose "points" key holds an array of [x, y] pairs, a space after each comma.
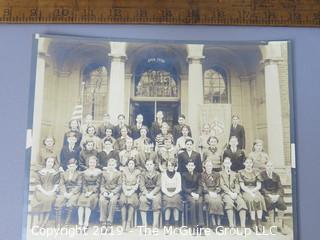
{"points": [[215, 86], [95, 89], [158, 83]]}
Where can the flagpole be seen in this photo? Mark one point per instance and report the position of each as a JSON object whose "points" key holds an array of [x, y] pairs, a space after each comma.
{"points": [[83, 83]]}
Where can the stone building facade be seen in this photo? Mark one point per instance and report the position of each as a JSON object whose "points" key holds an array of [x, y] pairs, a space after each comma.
{"points": [[207, 82]]}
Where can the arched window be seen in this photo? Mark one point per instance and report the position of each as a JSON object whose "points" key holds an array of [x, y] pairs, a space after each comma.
{"points": [[154, 83], [215, 86], [95, 89]]}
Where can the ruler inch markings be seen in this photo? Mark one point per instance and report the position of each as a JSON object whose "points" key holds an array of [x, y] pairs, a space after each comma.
{"points": [[208, 12]]}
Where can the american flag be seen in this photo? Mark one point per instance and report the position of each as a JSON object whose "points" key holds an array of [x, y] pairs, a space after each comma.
{"points": [[77, 113]]}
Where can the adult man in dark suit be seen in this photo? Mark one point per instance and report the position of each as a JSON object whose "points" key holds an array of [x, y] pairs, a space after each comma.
{"points": [[176, 132], [238, 131], [187, 156]]}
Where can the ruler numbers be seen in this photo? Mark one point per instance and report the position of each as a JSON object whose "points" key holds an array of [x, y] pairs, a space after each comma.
{"points": [[219, 12]]}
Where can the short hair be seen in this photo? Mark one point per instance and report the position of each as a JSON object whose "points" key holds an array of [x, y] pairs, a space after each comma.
{"points": [[256, 142], [71, 134], [248, 159], [74, 120], [184, 126], [72, 161], [165, 124], [124, 127], [235, 116], [172, 161], [94, 157], [212, 137], [112, 159], [144, 127], [44, 140], [189, 140], [108, 140], [131, 159], [88, 141], [234, 137], [150, 160], [182, 116], [91, 126], [53, 157], [121, 115], [169, 137]]}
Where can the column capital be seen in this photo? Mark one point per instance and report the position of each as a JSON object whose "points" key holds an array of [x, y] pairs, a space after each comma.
{"points": [[267, 62], [118, 51], [245, 78], [195, 53], [271, 52], [43, 46]]}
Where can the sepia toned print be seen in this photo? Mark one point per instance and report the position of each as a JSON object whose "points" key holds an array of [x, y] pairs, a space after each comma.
{"points": [[160, 139]]}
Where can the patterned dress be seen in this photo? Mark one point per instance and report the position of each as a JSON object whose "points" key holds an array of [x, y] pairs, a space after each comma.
{"points": [[130, 181], [211, 183], [47, 179], [70, 182], [91, 180], [259, 159], [250, 179]]}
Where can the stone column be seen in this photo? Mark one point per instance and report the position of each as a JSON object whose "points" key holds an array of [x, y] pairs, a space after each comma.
{"points": [[38, 97], [246, 106], [195, 87], [116, 99], [272, 55]]}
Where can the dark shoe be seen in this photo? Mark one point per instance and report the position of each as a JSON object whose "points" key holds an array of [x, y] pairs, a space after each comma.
{"points": [[260, 227], [282, 231], [85, 229], [254, 226]]}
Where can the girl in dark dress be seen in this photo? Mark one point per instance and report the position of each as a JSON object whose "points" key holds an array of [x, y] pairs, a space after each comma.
{"points": [[47, 181], [251, 185], [69, 192], [88, 199], [129, 197], [212, 193]]}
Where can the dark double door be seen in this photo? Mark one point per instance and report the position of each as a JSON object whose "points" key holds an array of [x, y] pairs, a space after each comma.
{"points": [[148, 109]]}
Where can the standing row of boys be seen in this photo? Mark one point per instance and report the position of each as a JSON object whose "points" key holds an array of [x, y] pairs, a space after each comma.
{"points": [[156, 170]]}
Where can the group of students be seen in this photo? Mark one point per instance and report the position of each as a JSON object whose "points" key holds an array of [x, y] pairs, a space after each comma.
{"points": [[157, 169]]}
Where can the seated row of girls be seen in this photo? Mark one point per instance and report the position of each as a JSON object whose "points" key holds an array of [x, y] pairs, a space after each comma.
{"points": [[221, 191]]}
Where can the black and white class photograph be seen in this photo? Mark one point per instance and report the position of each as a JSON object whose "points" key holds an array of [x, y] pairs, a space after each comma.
{"points": [[144, 139]]}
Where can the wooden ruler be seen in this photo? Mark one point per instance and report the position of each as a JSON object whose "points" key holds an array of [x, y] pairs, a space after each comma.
{"points": [[211, 12]]}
